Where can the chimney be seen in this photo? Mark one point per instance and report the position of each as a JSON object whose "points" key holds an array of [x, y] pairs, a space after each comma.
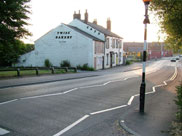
{"points": [[108, 24], [77, 16], [95, 21], [86, 17], [74, 15]]}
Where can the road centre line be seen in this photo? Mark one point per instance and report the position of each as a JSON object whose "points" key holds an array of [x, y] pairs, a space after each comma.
{"points": [[2, 103], [3, 131], [40, 96], [71, 126], [70, 90], [130, 100], [110, 109]]}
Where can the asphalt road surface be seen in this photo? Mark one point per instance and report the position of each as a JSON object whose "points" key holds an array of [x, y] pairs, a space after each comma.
{"points": [[79, 107]]}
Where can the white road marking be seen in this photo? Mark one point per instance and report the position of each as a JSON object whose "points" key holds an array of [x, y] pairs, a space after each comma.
{"points": [[71, 126], [47, 95], [153, 88], [130, 100], [84, 87], [110, 109], [3, 131], [40, 96], [70, 90], [8, 101]]}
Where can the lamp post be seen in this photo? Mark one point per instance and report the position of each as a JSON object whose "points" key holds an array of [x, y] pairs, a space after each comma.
{"points": [[143, 85]]}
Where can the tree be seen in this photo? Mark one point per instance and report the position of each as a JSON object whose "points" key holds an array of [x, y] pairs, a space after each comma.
{"points": [[169, 13], [13, 17]]}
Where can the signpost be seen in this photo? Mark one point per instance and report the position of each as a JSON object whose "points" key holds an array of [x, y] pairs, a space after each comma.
{"points": [[143, 85]]}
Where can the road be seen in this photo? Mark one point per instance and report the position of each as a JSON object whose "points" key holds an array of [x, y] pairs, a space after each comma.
{"points": [[84, 106]]}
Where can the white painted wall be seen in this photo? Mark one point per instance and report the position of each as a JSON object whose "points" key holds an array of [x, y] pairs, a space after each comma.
{"points": [[115, 50], [88, 29], [78, 50]]}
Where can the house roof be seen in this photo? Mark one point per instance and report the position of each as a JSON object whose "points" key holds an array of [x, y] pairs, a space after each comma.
{"points": [[84, 33], [103, 30]]}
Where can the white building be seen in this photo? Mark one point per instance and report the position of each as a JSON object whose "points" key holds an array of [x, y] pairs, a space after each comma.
{"points": [[80, 42]]}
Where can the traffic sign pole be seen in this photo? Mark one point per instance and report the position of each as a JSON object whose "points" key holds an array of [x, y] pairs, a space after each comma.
{"points": [[143, 84]]}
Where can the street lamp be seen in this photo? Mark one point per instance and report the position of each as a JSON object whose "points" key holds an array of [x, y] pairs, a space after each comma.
{"points": [[143, 85]]}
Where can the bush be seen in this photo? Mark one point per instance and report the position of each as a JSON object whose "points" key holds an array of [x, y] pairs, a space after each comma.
{"points": [[176, 129], [65, 63], [128, 62], [178, 102], [85, 67], [47, 63]]}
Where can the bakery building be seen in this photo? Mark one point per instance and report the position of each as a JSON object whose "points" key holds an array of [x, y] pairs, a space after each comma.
{"points": [[79, 42]]}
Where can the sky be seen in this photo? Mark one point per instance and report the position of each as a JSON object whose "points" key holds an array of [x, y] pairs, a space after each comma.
{"points": [[126, 17]]}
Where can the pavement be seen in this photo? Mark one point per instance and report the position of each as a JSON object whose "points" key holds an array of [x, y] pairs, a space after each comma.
{"points": [[156, 121], [159, 112]]}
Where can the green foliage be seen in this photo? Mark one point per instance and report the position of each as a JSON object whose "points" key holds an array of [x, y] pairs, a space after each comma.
{"points": [[176, 129], [13, 16], [128, 62], [178, 102], [47, 63], [85, 67], [65, 63], [169, 13], [9, 52]]}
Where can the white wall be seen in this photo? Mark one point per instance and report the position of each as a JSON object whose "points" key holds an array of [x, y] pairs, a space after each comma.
{"points": [[88, 29], [78, 50], [114, 50]]}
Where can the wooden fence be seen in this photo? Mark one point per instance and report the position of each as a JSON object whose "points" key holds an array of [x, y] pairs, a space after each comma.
{"points": [[36, 69]]}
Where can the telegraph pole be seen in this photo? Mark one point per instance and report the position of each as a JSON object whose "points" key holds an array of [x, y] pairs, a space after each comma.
{"points": [[143, 84]]}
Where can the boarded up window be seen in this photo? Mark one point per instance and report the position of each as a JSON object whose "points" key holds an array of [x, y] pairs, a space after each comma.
{"points": [[99, 47]]}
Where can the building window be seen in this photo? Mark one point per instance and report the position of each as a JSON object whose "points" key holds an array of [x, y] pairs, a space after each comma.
{"points": [[98, 33], [117, 42], [107, 43], [90, 28], [107, 59], [87, 27], [94, 31], [99, 47], [113, 43]]}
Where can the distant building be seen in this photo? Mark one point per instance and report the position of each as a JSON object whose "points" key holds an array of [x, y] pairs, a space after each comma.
{"points": [[80, 42], [154, 49]]}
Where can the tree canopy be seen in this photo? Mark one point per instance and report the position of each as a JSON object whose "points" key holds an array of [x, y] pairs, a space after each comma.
{"points": [[13, 19], [169, 13]]}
